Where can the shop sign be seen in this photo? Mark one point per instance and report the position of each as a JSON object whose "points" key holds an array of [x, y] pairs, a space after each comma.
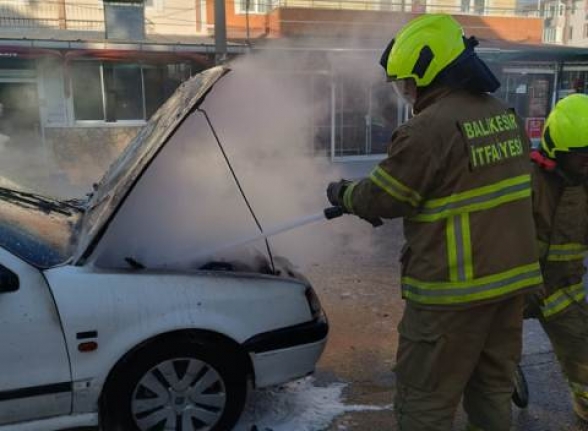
{"points": [[534, 126]]}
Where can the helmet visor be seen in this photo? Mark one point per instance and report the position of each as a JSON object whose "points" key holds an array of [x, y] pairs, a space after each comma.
{"points": [[405, 89]]}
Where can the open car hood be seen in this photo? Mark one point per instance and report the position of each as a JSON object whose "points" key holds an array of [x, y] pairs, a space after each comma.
{"points": [[110, 193]]}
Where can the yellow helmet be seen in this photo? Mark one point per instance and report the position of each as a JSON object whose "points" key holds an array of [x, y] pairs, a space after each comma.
{"points": [[566, 128], [423, 48]]}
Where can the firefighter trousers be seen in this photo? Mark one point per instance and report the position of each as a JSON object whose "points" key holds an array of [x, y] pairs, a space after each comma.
{"points": [[568, 333], [446, 355]]}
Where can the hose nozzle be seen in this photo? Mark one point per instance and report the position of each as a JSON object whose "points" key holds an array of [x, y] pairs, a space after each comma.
{"points": [[333, 212]]}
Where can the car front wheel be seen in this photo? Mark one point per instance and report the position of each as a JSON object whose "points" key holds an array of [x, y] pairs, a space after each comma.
{"points": [[180, 387]]}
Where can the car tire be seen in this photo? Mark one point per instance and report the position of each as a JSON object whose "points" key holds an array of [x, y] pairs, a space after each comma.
{"points": [[191, 385]]}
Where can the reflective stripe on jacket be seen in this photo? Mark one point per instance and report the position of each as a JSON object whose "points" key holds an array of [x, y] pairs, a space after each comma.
{"points": [[458, 173], [560, 212]]}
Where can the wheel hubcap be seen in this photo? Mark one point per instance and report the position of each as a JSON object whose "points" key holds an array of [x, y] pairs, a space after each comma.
{"points": [[181, 394]]}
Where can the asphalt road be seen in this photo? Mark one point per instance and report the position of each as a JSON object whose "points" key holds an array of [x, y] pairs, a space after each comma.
{"points": [[549, 408], [360, 293]]}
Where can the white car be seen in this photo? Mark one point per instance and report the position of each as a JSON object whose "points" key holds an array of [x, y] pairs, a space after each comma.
{"points": [[92, 334]]}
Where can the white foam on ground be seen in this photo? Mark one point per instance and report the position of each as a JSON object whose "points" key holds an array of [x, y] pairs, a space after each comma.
{"points": [[297, 406]]}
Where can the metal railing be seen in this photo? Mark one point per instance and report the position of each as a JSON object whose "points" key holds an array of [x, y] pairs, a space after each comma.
{"points": [[417, 6], [54, 14]]}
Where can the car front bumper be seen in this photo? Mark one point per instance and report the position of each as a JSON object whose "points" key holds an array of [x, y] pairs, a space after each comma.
{"points": [[289, 353]]}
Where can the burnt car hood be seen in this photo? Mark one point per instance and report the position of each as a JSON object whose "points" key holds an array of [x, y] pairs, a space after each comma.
{"points": [[111, 192]]}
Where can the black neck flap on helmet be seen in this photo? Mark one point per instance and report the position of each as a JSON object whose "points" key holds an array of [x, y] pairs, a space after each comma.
{"points": [[468, 71]]}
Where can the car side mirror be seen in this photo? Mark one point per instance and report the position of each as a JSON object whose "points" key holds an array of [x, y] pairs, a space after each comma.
{"points": [[9, 281]]}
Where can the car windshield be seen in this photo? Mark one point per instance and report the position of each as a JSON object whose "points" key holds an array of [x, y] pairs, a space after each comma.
{"points": [[37, 229]]}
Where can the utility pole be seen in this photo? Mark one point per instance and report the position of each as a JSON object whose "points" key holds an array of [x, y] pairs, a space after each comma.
{"points": [[197, 8], [247, 6], [62, 15], [220, 31]]}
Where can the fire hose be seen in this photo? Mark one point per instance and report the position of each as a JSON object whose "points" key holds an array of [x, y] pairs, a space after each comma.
{"points": [[334, 212]]}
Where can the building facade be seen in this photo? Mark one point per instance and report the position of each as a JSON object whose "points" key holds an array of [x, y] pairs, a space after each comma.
{"points": [[86, 74], [79, 77], [566, 22]]}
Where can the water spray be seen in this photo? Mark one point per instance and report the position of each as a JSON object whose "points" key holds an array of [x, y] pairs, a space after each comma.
{"points": [[328, 214]]}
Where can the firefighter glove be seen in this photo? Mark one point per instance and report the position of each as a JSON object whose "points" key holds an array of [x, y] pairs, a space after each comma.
{"points": [[375, 221], [335, 192]]}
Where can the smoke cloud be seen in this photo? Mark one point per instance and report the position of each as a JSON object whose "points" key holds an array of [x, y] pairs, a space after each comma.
{"points": [[187, 209]]}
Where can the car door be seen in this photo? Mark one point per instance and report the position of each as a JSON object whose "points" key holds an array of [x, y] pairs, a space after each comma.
{"points": [[35, 378]]}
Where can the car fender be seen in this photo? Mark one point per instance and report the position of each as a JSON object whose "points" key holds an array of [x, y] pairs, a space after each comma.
{"points": [[119, 310]]}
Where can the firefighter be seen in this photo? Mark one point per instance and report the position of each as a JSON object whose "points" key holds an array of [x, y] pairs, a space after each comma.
{"points": [[458, 174], [560, 205]]}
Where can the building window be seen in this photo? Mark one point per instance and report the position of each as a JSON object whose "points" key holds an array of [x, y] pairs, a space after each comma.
{"points": [[573, 82], [154, 4], [254, 6], [551, 35], [87, 92], [479, 7], [161, 82], [571, 33], [353, 118], [122, 91], [528, 93], [123, 87], [585, 30], [465, 6]]}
